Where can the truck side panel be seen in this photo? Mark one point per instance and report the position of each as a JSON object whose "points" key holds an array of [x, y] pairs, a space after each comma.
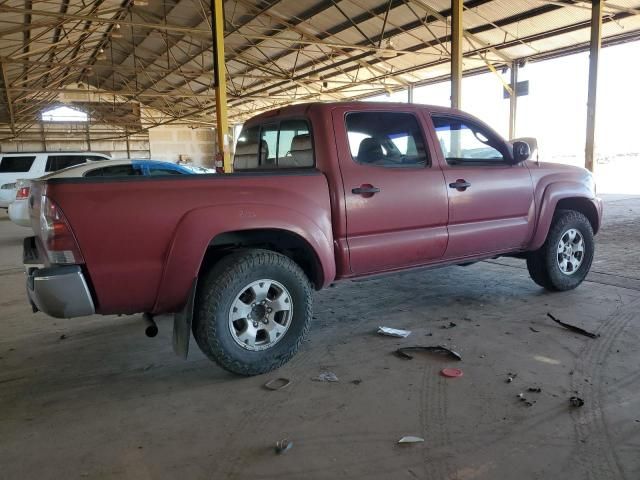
{"points": [[199, 226], [127, 227]]}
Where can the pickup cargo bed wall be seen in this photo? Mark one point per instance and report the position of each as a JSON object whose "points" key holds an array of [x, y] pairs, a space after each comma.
{"points": [[161, 250]]}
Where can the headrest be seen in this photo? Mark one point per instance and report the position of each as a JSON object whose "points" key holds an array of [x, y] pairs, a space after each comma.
{"points": [[370, 150], [301, 142]]}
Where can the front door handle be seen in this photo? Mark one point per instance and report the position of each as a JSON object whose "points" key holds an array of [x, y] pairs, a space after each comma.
{"points": [[366, 190], [460, 185]]}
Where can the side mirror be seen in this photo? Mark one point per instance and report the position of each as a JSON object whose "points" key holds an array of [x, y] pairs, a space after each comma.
{"points": [[521, 152]]}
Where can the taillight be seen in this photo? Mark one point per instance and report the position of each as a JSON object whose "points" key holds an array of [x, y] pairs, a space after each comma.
{"points": [[56, 235], [22, 193]]}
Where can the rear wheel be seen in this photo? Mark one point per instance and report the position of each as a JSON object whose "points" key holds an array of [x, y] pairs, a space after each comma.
{"points": [[564, 260], [253, 310]]}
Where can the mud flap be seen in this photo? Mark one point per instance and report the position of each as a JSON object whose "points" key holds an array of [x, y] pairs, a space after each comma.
{"points": [[182, 324]]}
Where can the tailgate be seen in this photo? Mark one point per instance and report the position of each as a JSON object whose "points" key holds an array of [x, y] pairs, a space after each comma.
{"points": [[35, 201]]}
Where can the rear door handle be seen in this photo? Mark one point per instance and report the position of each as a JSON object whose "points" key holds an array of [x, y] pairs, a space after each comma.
{"points": [[460, 185], [367, 190]]}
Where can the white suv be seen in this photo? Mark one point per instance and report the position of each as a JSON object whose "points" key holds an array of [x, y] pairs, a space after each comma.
{"points": [[14, 166]]}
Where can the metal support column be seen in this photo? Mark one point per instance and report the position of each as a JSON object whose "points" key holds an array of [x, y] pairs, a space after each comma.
{"points": [[456, 53], [220, 84], [513, 100], [88, 133], [410, 93], [43, 137], [128, 145], [5, 82], [594, 54]]}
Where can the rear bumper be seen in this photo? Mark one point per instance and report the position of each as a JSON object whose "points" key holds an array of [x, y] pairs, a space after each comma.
{"points": [[59, 291]]}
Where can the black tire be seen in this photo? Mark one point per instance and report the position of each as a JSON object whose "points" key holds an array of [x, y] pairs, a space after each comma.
{"points": [[219, 288], [543, 263]]}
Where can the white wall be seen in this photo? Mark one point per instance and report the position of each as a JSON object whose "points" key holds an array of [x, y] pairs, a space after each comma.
{"points": [[196, 145]]}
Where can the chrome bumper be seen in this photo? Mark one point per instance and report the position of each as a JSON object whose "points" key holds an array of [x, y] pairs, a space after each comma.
{"points": [[60, 291]]}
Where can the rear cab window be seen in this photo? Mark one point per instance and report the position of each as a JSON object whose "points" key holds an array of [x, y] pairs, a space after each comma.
{"points": [[58, 162], [156, 172], [386, 139], [114, 171], [16, 164], [275, 145]]}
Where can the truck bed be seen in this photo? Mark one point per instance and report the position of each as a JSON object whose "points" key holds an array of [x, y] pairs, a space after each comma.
{"points": [[129, 227]]}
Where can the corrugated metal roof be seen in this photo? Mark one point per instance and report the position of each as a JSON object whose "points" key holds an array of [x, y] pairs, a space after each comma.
{"points": [[158, 53]]}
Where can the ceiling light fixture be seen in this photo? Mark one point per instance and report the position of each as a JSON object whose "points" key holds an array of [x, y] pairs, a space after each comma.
{"points": [[389, 50]]}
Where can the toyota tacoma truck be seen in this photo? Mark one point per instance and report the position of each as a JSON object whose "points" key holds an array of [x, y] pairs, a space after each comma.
{"points": [[320, 192]]}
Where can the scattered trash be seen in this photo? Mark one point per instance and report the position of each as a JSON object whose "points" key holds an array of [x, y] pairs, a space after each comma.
{"points": [[449, 325], [511, 377], [63, 336], [357, 381], [326, 377], [411, 439], [393, 332], [534, 330], [451, 372], [576, 402], [402, 352], [277, 384], [534, 389], [523, 399], [283, 445], [573, 328]]}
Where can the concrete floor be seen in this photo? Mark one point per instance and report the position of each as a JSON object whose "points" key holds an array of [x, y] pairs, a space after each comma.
{"points": [[105, 402]]}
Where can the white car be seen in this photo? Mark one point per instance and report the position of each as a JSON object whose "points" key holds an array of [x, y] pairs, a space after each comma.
{"points": [[14, 166], [19, 208]]}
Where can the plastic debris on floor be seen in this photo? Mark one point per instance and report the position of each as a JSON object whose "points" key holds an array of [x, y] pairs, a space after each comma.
{"points": [[326, 377], [393, 332], [411, 439]]}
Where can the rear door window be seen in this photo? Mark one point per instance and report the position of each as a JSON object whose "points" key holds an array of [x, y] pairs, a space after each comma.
{"points": [[114, 171], [154, 171], [58, 162], [386, 139], [18, 164]]}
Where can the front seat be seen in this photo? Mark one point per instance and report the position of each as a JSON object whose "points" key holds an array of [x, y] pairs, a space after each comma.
{"points": [[370, 151]]}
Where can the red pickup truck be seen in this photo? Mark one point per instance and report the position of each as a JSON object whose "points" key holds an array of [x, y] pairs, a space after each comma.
{"points": [[320, 193]]}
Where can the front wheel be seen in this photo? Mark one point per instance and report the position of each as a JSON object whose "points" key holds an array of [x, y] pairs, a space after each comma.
{"points": [[564, 260], [253, 310]]}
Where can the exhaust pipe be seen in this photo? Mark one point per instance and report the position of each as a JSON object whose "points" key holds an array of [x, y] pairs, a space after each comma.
{"points": [[150, 329]]}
